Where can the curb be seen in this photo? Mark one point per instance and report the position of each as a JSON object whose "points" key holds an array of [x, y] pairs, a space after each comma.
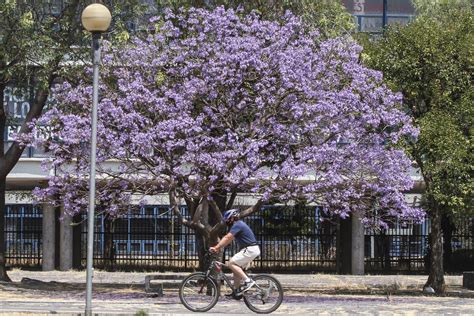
{"points": [[348, 291]]}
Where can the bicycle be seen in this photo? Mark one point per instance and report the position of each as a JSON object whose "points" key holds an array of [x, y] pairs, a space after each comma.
{"points": [[199, 292]]}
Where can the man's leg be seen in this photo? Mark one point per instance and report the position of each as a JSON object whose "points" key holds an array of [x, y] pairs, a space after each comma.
{"points": [[242, 259], [239, 274]]}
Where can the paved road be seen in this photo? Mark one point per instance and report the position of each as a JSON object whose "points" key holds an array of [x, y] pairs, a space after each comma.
{"points": [[292, 305], [123, 294]]}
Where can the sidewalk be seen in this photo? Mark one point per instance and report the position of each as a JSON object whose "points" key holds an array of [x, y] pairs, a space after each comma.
{"points": [[133, 282]]}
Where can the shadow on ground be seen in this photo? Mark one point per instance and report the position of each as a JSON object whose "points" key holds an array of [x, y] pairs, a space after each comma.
{"points": [[61, 290]]}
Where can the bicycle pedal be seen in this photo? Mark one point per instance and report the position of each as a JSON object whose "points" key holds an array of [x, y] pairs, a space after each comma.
{"points": [[233, 296]]}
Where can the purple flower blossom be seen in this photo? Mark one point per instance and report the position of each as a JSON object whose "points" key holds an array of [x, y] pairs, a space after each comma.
{"points": [[215, 102]]}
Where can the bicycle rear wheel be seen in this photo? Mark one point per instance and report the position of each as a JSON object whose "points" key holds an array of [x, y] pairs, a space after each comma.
{"points": [[198, 293], [265, 296]]}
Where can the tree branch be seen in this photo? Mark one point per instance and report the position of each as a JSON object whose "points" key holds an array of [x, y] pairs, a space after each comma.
{"points": [[174, 206], [251, 209], [215, 208], [231, 199], [199, 209]]}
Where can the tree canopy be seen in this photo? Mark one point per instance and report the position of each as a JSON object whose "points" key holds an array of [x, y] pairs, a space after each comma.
{"points": [[430, 62], [212, 103], [329, 17]]}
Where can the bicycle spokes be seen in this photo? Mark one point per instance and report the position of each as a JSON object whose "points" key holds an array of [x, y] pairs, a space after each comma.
{"points": [[198, 292], [265, 296], [264, 292]]}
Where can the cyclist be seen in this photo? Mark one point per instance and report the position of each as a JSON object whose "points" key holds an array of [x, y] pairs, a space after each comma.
{"points": [[249, 250]]}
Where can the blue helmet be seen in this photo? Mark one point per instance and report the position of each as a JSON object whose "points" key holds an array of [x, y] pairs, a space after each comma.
{"points": [[230, 213]]}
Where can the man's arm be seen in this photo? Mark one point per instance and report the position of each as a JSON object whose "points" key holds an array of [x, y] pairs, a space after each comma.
{"points": [[227, 239]]}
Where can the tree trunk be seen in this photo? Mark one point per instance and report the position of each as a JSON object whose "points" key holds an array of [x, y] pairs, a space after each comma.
{"points": [[209, 218], [3, 271], [214, 219], [201, 248], [436, 274], [205, 239], [9, 159], [3, 180]]}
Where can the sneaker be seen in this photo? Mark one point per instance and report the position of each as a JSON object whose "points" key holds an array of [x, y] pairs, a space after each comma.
{"points": [[245, 287], [234, 296]]}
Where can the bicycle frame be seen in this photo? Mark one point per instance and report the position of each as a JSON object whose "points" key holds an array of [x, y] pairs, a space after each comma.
{"points": [[217, 265]]}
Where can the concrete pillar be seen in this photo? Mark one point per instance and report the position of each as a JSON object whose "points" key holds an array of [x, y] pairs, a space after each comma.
{"points": [[357, 251], [344, 246], [49, 240], [65, 242], [76, 246]]}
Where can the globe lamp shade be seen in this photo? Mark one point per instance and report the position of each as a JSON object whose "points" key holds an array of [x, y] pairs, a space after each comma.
{"points": [[96, 18]]}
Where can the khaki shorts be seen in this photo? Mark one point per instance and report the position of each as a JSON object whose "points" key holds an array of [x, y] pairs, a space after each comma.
{"points": [[245, 256]]}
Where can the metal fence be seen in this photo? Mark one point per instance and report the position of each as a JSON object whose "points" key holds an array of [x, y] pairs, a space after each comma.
{"points": [[145, 239], [151, 238], [23, 235], [292, 239], [397, 249], [461, 257]]}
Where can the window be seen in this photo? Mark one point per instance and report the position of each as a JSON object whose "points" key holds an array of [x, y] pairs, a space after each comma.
{"points": [[53, 7]]}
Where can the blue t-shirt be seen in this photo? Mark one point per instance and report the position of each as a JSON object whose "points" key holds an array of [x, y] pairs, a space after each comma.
{"points": [[243, 234]]}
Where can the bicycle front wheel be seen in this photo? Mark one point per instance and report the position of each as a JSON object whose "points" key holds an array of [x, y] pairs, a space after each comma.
{"points": [[265, 296], [198, 293]]}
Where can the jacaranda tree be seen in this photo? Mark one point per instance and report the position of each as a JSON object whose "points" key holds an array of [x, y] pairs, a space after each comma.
{"points": [[211, 104]]}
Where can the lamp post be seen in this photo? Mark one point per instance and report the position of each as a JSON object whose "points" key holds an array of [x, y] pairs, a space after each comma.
{"points": [[96, 19], [384, 14]]}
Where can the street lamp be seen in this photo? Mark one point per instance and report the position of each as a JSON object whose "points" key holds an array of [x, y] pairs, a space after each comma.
{"points": [[96, 19]]}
